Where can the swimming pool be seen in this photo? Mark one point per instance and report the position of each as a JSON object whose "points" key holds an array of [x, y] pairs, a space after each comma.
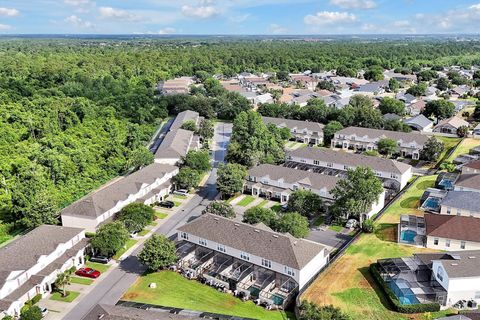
{"points": [[277, 300], [431, 203], [403, 292], [446, 184], [408, 236]]}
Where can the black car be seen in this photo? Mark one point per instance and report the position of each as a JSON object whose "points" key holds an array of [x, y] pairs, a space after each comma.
{"points": [[100, 259], [167, 204]]}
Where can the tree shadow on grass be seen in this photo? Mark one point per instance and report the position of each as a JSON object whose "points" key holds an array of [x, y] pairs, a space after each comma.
{"points": [[387, 232], [376, 287], [410, 203]]}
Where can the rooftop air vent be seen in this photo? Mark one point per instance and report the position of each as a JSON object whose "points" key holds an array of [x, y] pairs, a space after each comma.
{"points": [[275, 236]]}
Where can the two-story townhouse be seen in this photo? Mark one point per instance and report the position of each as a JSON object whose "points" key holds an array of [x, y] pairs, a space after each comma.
{"points": [[30, 264], [175, 86], [175, 145], [461, 203], [253, 259], [183, 117], [394, 174], [452, 233], [120, 312], [148, 185], [365, 139], [471, 168], [468, 182], [302, 131]]}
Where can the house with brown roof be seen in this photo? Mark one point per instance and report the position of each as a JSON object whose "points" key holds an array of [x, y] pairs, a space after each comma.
{"points": [[450, 126], [471, 168], [30, 264], [366, 139], [452, 233], [302, 131], [252, 259], [175, 86]]}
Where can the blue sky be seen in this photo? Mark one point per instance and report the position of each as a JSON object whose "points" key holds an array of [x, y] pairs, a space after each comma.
{"points": [[239, 16]]}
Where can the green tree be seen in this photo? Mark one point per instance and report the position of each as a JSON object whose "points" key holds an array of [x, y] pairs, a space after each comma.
{"points": [[187, 178], [368, 226], [206, 129], [31, 313], [387, 146], [189, 125], [63, 278], [432, 149], [198, 160], [258, 214], [390, 105], [220, 208], [329, 131], [158, 253], [462, 131], [355, 195], [441, 109], [310, 311], [306, 202], [42, 210], [139, 157], [360, 101], [448, 166], [326, 85], [443, 84], [393, 85], [109, 239], [140, 214], [230, 178], [374, 73], [418, 90], [293, 223]]}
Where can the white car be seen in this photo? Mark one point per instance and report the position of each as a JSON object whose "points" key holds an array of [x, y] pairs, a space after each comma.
{"points": [[181, 192], [351, 223]]}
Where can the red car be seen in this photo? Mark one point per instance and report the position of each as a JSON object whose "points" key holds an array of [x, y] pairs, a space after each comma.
{"points": [[88, 273]]}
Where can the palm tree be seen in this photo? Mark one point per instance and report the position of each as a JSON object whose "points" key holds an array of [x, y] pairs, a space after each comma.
{"points": [[62, 280]]}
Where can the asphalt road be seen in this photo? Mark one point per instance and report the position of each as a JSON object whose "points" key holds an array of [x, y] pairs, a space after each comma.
{"points": [[110, 289]]}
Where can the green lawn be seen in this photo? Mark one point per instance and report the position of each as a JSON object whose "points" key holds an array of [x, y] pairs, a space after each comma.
{"points": [[177, 203], [97, 266], [335, 228], [262, 204], [246, 201], [143, 232], [71, 295], [130, 243], [450, 144], [464, 147], [161, 215], [319, 221], [179, 196], [277, 208], [173, 290], [84, 281]]}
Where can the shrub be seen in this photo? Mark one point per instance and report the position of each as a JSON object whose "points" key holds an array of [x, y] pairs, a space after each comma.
{"points": [[368, 226], [392, 298]]}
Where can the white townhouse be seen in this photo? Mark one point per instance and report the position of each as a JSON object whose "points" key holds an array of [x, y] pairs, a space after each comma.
{"points": [[393, 173], [461, 203], [452, 233], [302, 131], [30, 264], [175, 145], [366, 139], [147, 185], [469, 181], [183, 117], [253, 259]]}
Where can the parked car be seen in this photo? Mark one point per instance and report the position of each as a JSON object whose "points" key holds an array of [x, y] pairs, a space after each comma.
{"points": [[181, 192], [44, 312], [167, 204], [284, 207], [88, 273], [351, 223], [100, 259]]}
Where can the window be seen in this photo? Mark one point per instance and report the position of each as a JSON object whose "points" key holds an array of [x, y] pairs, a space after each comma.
{"points": [[440, 274], [303, 161], [345, 167], [202, 242], [462, 244], [289, 271], [435, 242], [245, 256], [449, 210], [378, 174], [330, 165], [393, 176], [447, 243], [221, 248], [266, 263], [459, 212], [316, 162], [184, 235]]}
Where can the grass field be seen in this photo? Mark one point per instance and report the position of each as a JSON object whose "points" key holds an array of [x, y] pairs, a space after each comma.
{"points": [[262, 204], [173, 290], [97, 266], [160, 215], [179, 196], [143, 232], [130, 243], [57, 296], [464, 147], [450, 144], [246, 201], [348, 285], [84, 281]]}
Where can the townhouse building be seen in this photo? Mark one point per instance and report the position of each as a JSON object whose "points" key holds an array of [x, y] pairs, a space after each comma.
{"points": [[452, 233], [175, 145], [302, 131], [30, 264], [147, 185], [183, 117], [394, 174], [366, 139], [461, 203]]}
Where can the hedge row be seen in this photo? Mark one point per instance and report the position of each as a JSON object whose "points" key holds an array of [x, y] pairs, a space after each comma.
{"points": [[397, 306]]}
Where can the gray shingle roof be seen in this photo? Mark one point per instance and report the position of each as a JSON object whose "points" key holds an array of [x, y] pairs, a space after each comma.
{"points": [[469, 180], [464, 200], [467, 266], [350, 159], [175, 144], [183, 117], [105, 198], [419, 122], [405, 137], [281, 248], [454, 121], [313, 180], [295, 124], [107, 312]]}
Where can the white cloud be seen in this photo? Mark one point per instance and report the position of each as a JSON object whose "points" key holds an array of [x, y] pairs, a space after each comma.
{"points": [[200, 12], [9, 12], [327, 18], [369, 27], [167, 30], [277, 29], [401, 24], [4, 27], [354, 4], [78, 22], [240, 18], [118, 14], [77, 3]]}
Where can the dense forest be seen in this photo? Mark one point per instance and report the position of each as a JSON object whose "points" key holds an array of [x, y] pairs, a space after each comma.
{"points": [[75, 113]]}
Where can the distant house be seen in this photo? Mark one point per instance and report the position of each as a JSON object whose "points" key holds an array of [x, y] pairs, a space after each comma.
{"points": [[175, 86], [372, 88], [307, 81], [175, 145], [452, 233], [459, 91], [419, 123], [416, 108], [431, 92], [302, 131], [407, 98], [391, 117], [450, 126], [471, 168], [263, 98], [364, 139], [408, 78], [147, 185], [30, 264], [476, 131]]}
